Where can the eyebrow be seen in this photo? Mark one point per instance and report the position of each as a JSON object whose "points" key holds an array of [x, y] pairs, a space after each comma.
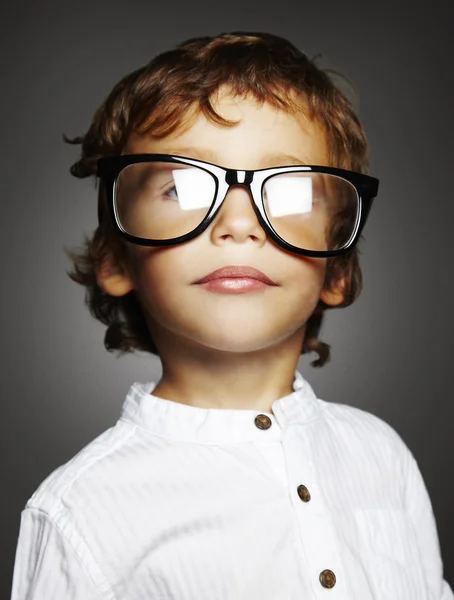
{"points": [[273, 159]]}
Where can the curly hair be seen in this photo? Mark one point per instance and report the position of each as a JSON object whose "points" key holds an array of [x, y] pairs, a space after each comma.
{"points": [[159, 98]]}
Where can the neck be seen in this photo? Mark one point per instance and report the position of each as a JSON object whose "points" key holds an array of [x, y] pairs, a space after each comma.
{"points": [[209, 378]]}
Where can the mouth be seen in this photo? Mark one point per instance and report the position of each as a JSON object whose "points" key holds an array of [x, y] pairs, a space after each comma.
{"points": [[237, 272]]}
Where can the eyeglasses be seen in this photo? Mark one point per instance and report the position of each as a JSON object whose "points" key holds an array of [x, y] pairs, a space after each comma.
{"points": [[164, 200]]}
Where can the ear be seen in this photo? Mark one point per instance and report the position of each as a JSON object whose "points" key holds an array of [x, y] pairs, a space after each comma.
{"points": [[335, 295], [113, 278]]}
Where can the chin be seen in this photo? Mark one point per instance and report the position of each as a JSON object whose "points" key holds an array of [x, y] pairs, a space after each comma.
{"points": [[242, 344]]}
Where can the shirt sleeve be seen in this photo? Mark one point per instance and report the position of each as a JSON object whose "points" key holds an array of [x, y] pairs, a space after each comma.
{"points": [[422, 517], [47, 566]]}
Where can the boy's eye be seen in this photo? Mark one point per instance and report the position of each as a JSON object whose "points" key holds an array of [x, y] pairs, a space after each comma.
{"points": [[170, 192]]}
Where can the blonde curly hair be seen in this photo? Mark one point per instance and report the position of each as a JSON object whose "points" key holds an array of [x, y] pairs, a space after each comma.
{"points": [[157, 98]]}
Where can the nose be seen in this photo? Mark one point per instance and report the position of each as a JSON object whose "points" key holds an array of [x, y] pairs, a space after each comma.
{"points": [[236, 221]]}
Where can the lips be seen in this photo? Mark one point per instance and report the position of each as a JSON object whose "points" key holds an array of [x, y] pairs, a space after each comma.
{"points": [[237, 272]]}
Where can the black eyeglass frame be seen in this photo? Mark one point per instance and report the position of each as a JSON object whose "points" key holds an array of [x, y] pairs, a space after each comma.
{"points": [[110, 167]]}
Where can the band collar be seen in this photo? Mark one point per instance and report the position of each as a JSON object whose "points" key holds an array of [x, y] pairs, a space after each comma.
{"points": [[181, 422]]}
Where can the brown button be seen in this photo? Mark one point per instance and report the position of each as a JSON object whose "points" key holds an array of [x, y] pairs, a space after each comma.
{"points": [[327, 578], [262, 421], [303, 493]]}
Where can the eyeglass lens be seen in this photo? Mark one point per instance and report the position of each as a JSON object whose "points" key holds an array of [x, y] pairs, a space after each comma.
{"points": [[163, 200]]}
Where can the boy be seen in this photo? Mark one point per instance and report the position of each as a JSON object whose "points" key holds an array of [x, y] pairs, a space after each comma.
{"points": [[232, 194]]}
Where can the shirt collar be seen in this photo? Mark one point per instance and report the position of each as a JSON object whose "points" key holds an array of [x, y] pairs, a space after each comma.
{"points": [[185, 423]]}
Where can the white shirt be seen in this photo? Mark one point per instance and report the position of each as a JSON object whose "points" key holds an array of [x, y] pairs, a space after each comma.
{"points": [[176, 502]]}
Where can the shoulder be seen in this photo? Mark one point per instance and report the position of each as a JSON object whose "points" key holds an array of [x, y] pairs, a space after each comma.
{"points": [[97, 456], [363, 430]]}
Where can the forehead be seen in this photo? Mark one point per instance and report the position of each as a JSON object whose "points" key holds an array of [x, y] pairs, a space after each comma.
{"points": [[262, 136]]}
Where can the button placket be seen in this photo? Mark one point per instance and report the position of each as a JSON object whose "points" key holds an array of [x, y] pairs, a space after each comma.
{"points": [[317, 534]]}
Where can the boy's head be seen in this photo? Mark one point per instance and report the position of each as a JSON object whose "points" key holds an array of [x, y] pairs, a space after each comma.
{"points": [[241, 98]]}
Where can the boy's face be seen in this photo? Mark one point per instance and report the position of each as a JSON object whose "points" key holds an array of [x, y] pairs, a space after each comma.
{"points": [[178, 310]]}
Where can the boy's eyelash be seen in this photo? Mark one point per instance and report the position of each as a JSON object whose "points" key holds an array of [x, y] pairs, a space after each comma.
{"points": [[168, 189]]}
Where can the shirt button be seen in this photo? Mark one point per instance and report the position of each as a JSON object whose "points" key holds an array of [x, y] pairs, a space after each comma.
{"points": [[327, 579], [262, 422], [303, 493]]}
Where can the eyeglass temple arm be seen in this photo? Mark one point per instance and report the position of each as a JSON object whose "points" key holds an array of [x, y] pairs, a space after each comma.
{"points": [[366, 206]]}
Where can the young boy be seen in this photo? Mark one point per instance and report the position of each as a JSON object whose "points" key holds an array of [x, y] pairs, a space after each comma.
{"points": [[232, 195]]}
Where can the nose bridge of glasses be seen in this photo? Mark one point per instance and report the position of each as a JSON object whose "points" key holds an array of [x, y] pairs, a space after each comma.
{"points": [[233, 177], [239, 179]]}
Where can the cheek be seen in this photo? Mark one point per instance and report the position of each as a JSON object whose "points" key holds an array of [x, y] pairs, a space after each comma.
{"points": [[303, 286], [158, 280], [305, 273]]}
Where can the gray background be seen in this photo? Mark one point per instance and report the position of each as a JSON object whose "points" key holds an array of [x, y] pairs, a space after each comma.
{"points": [[391, 350]]}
